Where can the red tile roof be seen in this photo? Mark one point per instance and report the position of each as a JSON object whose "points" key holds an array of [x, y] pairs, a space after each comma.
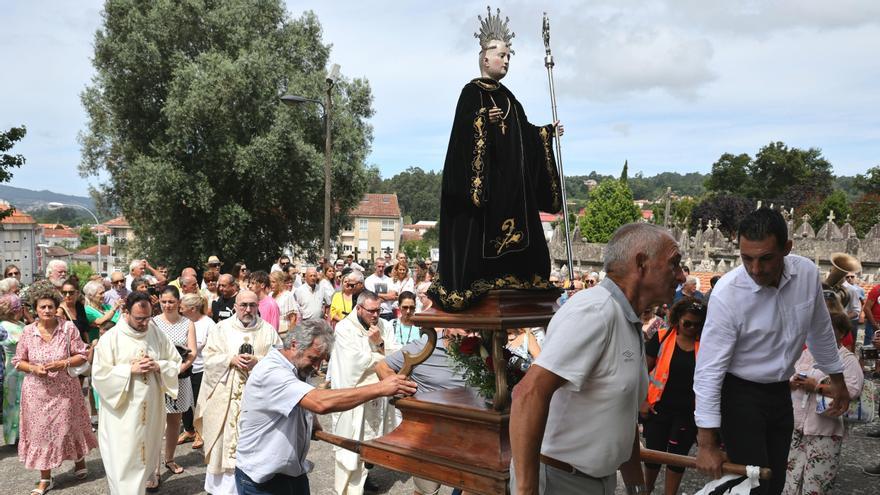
{"points": [[377, 205], [64, 233], [93, 251], [119, 221], [18, 217], [549, 217], [409, 235]]}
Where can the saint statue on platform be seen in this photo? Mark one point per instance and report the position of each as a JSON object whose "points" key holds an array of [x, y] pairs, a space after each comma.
{"points": [[500, 171]]}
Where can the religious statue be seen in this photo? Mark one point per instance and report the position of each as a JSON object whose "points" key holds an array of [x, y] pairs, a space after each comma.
{"points": [[499, 172]]}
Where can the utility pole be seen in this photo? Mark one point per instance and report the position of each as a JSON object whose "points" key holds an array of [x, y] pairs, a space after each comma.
{"points": [[668, 201]]}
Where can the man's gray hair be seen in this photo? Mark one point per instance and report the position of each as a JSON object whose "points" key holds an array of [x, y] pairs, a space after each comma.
{"points": [[310, 333], [134, 264], [52, 264], [366, 295], [187, 279], [7, 284], [92, 287], [630, 240], [355, 276]]}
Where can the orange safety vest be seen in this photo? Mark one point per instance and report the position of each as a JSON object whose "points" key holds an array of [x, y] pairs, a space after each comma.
{"points": [[660, 373]]}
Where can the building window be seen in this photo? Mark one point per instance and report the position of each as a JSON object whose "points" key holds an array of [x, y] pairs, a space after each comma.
{"points": [[387, 225], [362, 246], [364, 224], [385, 245]]}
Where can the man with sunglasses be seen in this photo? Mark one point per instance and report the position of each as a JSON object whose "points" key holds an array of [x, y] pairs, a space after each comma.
{"points": [[761, 315], [118, 290], [362, 341], [856, 299]]}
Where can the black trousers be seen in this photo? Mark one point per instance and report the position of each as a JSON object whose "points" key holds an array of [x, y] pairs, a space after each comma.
{"points": [[196, 380], [756, 425]]}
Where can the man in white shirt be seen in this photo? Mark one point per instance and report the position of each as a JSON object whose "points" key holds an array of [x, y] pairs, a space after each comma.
{"points": [[278, 408], [310, 297], [856, 299], [380, 284], [761, 314], [574, 415]]}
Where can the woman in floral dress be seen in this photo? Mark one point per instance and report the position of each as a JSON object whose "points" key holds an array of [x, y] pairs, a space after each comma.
{"points": [[10, 320], [182, 333], [54, 422]]}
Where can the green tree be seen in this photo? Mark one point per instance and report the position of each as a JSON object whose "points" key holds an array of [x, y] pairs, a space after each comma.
{"points": [[729, 174], [728, 210], [416, 249], [202, 157], [87, 238], [624, 174], [868, 183], [7, 161], [789, 176], [418, 193], [836, 202], [432, 236], [82, 271], [611, 205], [866, 213]]}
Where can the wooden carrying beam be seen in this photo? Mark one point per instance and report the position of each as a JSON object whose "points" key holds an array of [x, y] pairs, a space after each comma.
{"points": [[657, 457]]}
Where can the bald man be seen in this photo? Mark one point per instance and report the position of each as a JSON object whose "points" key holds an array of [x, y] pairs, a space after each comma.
{"points": [[230, 354]]}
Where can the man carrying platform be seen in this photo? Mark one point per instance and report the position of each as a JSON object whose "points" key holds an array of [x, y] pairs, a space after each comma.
{"points": [[573, 421]]}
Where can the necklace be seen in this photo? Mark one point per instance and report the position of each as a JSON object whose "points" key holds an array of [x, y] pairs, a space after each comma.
{"points": [[503, 124]]}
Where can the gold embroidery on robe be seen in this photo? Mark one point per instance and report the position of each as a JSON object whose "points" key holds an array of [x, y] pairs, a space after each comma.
{"points": [[551, 170], [510, 236], [477, 163], [459, 299]]}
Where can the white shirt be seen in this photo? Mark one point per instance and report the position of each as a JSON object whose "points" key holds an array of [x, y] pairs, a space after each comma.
{"points": [[401, 286], [855, 303], [311, 302], [370, 285], [757, 333], [273, 430], [595, 343], [203, 327]]}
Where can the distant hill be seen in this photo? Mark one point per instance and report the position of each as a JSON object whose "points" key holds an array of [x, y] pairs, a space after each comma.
{"points": [[28, 200]]}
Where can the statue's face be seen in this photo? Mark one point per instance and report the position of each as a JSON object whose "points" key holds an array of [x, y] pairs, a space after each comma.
{"points": [[496, 60]]}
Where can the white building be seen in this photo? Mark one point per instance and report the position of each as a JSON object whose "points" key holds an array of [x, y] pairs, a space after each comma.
{"points": [[18, 233]]}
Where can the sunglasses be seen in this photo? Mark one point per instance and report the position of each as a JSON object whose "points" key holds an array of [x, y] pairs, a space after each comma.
{"points": [[407, 308], [591, 282], [12, 274], [68, 292], [213, 265], [114, 282], [691, 324], [351, 286]]}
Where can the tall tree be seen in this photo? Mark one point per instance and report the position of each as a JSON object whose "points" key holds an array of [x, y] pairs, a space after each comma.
{"points": [[611, 205], [869, 183], [624, 174], [202, 158], [7, 161], [789, 176], [418, 193], [730, 174]]}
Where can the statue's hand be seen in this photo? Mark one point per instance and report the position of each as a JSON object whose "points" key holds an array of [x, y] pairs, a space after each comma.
{"points": [[560, 129], [494, 115]]}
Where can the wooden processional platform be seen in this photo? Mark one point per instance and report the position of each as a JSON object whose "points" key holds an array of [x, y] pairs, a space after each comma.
{"points": [[453, 436]]}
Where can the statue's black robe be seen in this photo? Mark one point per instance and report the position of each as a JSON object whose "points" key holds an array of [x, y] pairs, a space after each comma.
{"points": [[494, 183]]}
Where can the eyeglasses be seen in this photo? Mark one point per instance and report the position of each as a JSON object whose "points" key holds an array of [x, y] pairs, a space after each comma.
{"points": [[850, 276], [371, 311], [68, 292], [591, 282], [407, 308], [351, 286], [691, 324], [114, 282], [247, 305]]}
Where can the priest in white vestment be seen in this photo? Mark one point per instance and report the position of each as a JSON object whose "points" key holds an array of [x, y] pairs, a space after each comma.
{"points": [[362, 341], [227, 366], [135, 365]]}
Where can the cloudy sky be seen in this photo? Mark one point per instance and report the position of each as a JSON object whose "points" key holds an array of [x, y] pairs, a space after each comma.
{"points": [[669, 85]]}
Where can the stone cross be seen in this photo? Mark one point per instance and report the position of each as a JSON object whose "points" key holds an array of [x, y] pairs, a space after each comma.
{"points": [[388, 250], [372, 254], [831, 216], [759, 205], [356, 254]]}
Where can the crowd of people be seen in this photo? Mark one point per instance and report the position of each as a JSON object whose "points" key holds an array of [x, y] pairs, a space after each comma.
{"points": [[240, 360]]}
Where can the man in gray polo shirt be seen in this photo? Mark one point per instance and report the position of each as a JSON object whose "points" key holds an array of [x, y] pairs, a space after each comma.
{"points": [[436, 373], [277, 417], [573, 420]]}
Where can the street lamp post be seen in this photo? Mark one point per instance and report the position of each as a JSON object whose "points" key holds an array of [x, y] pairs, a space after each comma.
{"points": [[326, 106], [55, 206]]}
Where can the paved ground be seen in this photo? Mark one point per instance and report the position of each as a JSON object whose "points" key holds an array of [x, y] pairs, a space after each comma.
{"points": [[858, 449]]}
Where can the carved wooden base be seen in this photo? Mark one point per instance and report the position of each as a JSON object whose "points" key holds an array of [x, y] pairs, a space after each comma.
{"points": [[449, 436]]}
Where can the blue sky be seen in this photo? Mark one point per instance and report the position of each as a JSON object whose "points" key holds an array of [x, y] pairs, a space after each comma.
{"points": [[669, 85]]}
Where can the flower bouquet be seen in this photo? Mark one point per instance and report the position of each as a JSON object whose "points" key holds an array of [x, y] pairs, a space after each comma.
{"points": [[472, 358]]}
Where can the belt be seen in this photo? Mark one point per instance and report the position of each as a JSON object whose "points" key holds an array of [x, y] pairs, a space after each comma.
{"points": [[564, 466]]}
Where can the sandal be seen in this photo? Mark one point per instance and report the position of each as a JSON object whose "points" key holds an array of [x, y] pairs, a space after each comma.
{"points": [[185, 437], [50, 484], [154, 483], [198, 443], [173, 467], [80, 473]]}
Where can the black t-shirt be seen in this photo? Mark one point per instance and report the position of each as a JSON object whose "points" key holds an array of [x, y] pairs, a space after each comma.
{"points": [[678, 395], [222, 308]]}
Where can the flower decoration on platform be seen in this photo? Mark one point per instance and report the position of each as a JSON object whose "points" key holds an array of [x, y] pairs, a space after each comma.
{"points": [[472, 357]]}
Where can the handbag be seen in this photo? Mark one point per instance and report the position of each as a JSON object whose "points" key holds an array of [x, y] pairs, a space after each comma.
{"points": [[184, 352], [861, 410], [75, 371]]}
